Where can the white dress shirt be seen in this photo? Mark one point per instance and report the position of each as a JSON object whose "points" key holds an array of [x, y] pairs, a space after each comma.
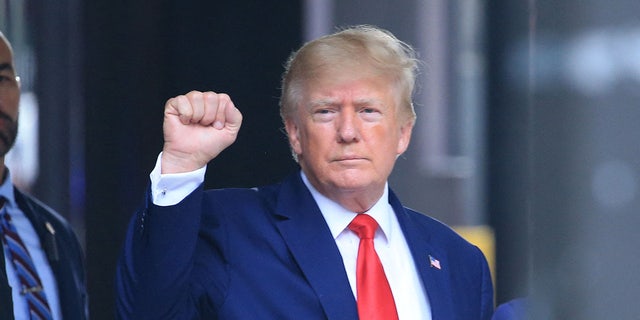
{"points": [[409, 293], [32, 242]]}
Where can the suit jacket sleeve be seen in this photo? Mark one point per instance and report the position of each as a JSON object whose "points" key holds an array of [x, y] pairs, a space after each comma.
{"points": [[166, 237]]}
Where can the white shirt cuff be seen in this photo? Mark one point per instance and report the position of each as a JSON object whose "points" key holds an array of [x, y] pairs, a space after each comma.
{"points": [[170, 189]]}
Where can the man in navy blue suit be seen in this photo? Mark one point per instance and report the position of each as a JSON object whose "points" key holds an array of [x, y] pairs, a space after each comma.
{"points": [[286, 251]]}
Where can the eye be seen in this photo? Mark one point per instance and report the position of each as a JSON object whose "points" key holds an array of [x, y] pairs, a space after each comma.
{"points": [[370, 114], [7, 80], [323, 114]]}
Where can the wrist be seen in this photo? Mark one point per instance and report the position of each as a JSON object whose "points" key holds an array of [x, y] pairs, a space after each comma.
{"points": [[179, 163]]}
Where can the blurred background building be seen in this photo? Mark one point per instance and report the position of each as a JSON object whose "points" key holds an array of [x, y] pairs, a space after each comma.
{"points": [[526, 136]]}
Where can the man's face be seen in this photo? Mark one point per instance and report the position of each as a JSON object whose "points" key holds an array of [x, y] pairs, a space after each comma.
{"points": [[9, 99], [347, 133]]}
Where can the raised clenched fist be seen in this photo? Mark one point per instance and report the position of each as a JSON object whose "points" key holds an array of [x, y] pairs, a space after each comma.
{"points": [[197, 127]]}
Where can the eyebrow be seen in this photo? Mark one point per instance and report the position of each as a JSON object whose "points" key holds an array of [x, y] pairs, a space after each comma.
{"points": [[333, 102], [323, 102], [368, 101]]}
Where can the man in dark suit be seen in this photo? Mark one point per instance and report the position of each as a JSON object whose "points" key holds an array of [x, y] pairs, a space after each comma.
{"points": [[50, 243], [298, 249]]}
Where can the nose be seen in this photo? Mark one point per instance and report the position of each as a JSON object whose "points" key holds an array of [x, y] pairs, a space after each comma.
{"points": [[348, 127]]}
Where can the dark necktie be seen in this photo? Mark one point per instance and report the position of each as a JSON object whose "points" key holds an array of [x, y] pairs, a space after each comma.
{"points": [[375, 300], [21, 260]]}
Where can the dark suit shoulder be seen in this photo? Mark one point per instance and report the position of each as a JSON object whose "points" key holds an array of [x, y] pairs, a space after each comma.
{"points": [[438, 228], [32, 205], [441, 236], [265, 196], [511, 310]]}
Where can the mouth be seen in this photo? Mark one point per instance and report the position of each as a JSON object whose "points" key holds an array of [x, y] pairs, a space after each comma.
{"points": [[349, 159]]}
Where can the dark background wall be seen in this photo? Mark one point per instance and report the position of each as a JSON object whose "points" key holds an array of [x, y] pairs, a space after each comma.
{"points": [[139, 54]]}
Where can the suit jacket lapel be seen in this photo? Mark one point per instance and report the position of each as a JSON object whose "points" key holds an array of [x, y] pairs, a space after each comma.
{"points": [[435, 280], [308, 237], [47, 235], [43, 228]]}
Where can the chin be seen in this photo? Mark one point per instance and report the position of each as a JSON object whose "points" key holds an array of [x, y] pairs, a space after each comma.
{"points": [[353, 182]]}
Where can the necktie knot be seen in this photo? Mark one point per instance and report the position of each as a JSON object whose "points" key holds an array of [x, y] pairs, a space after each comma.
{"points": [[364, 226]]}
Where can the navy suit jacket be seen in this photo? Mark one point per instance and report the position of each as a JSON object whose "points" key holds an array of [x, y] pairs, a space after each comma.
{"points": [[267, 253], [65, 257]]}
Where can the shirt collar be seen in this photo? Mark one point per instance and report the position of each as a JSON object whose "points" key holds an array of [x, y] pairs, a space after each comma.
{"points": [[338, 217], [6, 190]]}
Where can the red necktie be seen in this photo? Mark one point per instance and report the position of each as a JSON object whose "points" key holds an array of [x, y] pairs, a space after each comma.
{"points": [[375, 300]]}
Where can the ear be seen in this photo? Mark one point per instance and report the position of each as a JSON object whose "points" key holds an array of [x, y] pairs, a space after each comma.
{"points": [[405, 136], [293, 132]]}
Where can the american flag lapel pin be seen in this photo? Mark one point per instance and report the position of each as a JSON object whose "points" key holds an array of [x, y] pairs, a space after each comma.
{"points": [[434, 263]]}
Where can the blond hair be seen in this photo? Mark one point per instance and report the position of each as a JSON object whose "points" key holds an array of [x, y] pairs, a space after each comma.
{"points": [[357, 47]]}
